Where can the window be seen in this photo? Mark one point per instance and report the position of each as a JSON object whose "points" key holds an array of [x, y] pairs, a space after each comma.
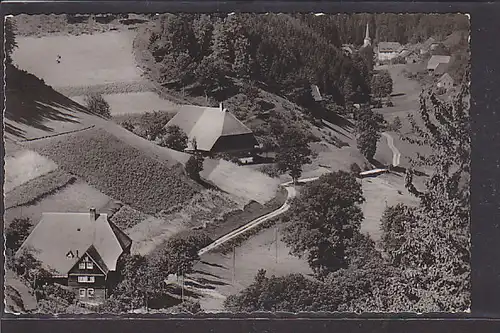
{"points": [[81, 265], [82, 293], [86, 279], [90, 292], [90, 265]]}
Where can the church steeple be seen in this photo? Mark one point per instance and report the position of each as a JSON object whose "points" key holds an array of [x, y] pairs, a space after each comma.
{"points": [[368, 40]]}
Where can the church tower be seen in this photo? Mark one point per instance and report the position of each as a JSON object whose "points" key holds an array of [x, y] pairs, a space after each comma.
{"points": [[368, 40]]}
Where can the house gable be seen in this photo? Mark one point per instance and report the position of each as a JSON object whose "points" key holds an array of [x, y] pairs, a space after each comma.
{"points": [[87, 264]]}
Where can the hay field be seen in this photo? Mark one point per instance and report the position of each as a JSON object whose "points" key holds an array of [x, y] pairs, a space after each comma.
{"points": [[86, 60], [25, 166]]}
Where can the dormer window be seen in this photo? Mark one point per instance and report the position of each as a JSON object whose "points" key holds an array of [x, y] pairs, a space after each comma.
{"points": [[81, 265], [70, 255]]}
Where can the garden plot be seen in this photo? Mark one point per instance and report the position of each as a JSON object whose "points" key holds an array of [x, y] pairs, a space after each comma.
{"points": [[86, 60], [25, 166]]}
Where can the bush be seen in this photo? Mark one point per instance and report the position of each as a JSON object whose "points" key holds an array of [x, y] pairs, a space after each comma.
{"points": [[175, 138], [194, 166], [98, 105], [17, 231], [355, 169], [270, 169]]}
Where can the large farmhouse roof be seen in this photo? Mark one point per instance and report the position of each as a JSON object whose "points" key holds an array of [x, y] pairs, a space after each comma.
{"points": [[389, 47], [207, 125], [59, 240], [435, 60]]}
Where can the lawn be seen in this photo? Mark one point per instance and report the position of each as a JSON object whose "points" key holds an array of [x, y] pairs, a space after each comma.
{"points": [[119, 170], [25, 166]]}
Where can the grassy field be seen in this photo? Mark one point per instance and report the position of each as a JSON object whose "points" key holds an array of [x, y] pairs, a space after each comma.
{"points": [[379, 193], [86, 60], [215, 270], [134, 103], [242, 182], [25, 166], [77, 197]]}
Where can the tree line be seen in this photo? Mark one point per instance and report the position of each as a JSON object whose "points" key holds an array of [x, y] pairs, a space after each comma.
{"points": [[208, 53]]}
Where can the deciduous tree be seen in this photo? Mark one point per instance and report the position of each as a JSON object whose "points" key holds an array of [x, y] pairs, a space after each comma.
{"points": [[294, 152], [175, 138], [325, 220]]}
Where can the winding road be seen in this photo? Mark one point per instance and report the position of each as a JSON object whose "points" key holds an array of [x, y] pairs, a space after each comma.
{"points": [[291, 193], [396, 155]]}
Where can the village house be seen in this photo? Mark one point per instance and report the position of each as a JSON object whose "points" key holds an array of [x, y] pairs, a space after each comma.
{"points": [[429, 44], [410, 56], [445, 81], [438, 64], [79, 250], [387, 51], [214, 130]]}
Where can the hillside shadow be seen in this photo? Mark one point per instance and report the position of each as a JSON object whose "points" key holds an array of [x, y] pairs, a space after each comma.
{"points": [[30, 102]]}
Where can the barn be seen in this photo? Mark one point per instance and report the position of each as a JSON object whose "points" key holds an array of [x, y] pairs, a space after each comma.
{"points": [[214, 130]]}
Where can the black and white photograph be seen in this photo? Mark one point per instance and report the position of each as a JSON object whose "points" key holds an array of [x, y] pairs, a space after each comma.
{"points": [[236, 163]]}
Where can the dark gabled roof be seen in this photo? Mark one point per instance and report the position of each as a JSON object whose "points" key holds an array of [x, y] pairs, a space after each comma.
{"points": [[435, 60], [207, 125], [60, 239]]}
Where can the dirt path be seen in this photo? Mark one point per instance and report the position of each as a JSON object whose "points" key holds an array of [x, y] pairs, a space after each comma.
{"points": [[396, 155], [29, 301]]}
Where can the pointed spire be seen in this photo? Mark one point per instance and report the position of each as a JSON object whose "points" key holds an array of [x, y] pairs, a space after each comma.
{"points": [[367, 35]]}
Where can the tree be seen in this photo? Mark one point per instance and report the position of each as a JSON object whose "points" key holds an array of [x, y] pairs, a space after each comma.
{"points": [[15, 234], [10, 39], [153, 124], [396, 221], [368, 127], [381, 84], [436, 249], [294, 152], [325, 220], [194, 166], [175, 138], [98, 105]]}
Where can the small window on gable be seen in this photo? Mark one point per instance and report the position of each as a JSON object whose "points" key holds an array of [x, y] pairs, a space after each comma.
{"points": [[82, 292], [90, 265], [81, 265]]}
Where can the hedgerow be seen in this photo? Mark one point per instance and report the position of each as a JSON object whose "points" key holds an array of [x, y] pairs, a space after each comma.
{"points": [[120, 171]]}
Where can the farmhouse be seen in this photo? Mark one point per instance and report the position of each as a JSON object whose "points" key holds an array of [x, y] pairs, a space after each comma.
{"points": [[445, 81], [438, 64], [214, 130], [388, 50], [79, 250]]}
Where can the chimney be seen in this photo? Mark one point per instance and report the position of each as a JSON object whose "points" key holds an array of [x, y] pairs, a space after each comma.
{"points": [[93, 214]]}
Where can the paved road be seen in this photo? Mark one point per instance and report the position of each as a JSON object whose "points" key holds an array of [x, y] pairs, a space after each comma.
{"points": [[396, 155], [291, 193]]}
